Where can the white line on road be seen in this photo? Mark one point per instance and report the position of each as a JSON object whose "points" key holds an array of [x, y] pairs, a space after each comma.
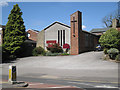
{"points": [[105, 86], [100, 86], [82, 83], [36, 84], [62, 87]]}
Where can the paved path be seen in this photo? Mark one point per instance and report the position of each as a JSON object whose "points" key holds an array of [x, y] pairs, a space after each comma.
{"points": [[6, 84], [84, 68]]}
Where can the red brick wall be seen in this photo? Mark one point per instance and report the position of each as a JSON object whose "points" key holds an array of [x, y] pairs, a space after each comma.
{"points": [[75, 38], [78, 39], [91, 43], [33, 35]]}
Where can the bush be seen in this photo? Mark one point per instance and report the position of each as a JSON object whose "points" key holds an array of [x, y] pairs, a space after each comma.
{"points": [[64, 54], [111, 39], [106, 57], [117, 57], [0, 51], [0, 54], [38, 51], [105, 51], [6, 56], [113, 52], [55, 48], [52, 54], [26, 50]]}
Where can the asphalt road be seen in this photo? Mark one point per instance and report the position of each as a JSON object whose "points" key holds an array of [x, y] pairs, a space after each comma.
{"points": [[87, 70]]}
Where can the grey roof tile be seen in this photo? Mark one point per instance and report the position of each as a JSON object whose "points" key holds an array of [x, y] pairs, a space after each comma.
{"points": [[99, 30]]}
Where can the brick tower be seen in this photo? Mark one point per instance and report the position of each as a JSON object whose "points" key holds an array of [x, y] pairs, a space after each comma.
{"points": [[76, 29]]}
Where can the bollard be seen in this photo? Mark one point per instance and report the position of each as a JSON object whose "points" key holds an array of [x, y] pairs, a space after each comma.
{"points": [[12, 73]]}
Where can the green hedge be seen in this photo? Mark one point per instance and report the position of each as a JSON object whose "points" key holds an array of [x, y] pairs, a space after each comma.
{"points": [[117, 57], [52, 54], [113, 52], [38, 51]]}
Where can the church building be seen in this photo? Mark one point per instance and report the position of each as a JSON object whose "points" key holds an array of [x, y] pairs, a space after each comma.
{"points": [[54, 33], [72, 36]]}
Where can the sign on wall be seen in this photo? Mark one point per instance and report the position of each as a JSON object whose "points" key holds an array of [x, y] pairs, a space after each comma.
{"points": [[51, 42]]}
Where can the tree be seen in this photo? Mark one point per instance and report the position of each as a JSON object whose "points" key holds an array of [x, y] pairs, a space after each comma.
{"points": [[107, 20], [111, 39], [14, 34]]}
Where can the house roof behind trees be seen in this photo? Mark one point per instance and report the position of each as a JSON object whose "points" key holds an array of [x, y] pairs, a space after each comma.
{"points": [[95, 30]]}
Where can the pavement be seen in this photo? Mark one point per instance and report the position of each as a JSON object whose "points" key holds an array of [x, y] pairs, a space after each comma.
{"points": [[83, 70], [6, 84]]}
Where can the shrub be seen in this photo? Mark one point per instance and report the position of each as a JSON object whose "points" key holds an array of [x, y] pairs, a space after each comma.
{"points": [[0, 51], [38, 51], [64, 54], [111, 39], [105, 51], [6, 56], [56, 54], [106, 57], [52, 54], [113, 52], [117, 57], [55, 48], [26, 50]]}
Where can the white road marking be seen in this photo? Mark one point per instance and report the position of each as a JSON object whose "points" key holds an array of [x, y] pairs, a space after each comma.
{"points": [[60, 87], [49, 76], [36, 84], [100, 86], [105, 86], [82, 84]]}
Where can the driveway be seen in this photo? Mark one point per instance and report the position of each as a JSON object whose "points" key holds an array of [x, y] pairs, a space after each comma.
{"points": [[86, 67]]}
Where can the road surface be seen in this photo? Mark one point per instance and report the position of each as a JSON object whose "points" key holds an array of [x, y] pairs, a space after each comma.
{"points": [[86, 70]]}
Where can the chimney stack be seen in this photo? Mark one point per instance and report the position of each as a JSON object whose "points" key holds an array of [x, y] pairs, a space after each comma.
{"points": [[115, 23]]}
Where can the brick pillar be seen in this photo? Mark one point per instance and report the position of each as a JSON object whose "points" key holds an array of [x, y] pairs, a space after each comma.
{"points": [[76, 29]]}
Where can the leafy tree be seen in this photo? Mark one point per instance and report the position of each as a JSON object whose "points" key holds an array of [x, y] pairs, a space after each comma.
{"points": [[14, 34], [111, 39], [107, 20]]}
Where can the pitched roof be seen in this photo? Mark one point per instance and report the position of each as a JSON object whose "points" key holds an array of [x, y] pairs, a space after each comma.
{"points": [[33, 30], [30, 41], [2, 26], [99, 30], [55, 23], [65, 26], [89, 32]]}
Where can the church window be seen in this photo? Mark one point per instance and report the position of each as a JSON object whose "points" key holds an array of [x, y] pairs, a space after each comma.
{"points": [[58, 37], [63, 37]]}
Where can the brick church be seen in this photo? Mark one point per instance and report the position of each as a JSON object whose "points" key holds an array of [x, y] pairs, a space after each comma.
{"points": [[73, 36]]}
